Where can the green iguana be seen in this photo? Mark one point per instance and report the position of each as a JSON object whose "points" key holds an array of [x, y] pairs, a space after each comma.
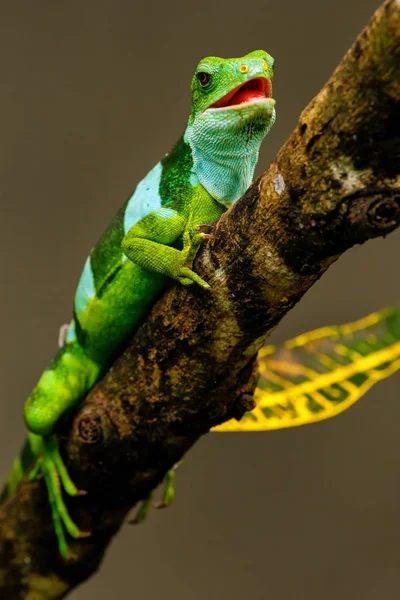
{"points": [[152, 239]]}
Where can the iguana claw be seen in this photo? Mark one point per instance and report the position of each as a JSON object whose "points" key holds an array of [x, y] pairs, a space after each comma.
{"points": [[205, 230]]}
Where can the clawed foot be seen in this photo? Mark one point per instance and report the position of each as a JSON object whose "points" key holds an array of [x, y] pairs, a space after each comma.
{"points": [[143, 511], [51, 466], [186, 277], [169, 489], [167, 498], [205, 231]]}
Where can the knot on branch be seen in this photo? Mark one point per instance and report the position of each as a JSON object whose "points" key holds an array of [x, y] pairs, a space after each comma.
{"points": [[366, 214], [93, 426], [374, 212], [385, 212], [90, 429]]}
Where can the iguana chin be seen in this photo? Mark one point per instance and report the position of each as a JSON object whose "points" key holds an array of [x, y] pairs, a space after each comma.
{"points": [[152, 239]]}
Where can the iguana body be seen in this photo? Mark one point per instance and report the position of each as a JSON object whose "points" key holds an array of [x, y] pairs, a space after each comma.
{"points": [[153, 237]]}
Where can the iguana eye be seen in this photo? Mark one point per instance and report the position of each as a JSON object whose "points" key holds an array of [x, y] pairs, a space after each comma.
{"points": [[203, 77]]}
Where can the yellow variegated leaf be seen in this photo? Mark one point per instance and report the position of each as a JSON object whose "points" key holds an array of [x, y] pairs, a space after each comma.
{"points": [[320, 374]]}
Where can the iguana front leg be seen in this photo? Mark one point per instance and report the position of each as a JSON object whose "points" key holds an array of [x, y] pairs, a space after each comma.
{"points": [[147, 244]]}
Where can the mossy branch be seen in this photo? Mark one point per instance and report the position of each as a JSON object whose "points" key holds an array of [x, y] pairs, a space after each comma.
{"points": [[335, 183]]}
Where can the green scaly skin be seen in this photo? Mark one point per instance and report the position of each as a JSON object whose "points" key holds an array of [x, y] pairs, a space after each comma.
{"points": [[152, 239]]}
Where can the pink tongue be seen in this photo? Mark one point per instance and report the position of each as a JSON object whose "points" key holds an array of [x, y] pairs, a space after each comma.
{"points": [[243, 96]]}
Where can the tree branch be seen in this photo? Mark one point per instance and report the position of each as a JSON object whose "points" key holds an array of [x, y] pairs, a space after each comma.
{"points": [[190, 366]]}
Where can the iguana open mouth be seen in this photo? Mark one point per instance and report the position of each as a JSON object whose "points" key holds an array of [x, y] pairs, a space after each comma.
{"points": [[253, 90]]}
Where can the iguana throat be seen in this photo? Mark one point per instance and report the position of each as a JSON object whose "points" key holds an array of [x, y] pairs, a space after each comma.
{"points": [[225, 143]]}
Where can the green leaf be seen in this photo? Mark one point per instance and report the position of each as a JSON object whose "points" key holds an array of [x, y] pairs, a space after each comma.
{"points": [[320, 374]]}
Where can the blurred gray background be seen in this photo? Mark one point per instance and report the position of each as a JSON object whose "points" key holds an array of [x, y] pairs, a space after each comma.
{"points": [[92, 94]]}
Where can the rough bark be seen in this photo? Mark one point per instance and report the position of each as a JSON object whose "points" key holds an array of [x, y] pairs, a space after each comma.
{"points": [[335, 183]]}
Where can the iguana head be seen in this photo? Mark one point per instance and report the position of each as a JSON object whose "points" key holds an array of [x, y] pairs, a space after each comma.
{"points": [[232, 111], [227, 85]]}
